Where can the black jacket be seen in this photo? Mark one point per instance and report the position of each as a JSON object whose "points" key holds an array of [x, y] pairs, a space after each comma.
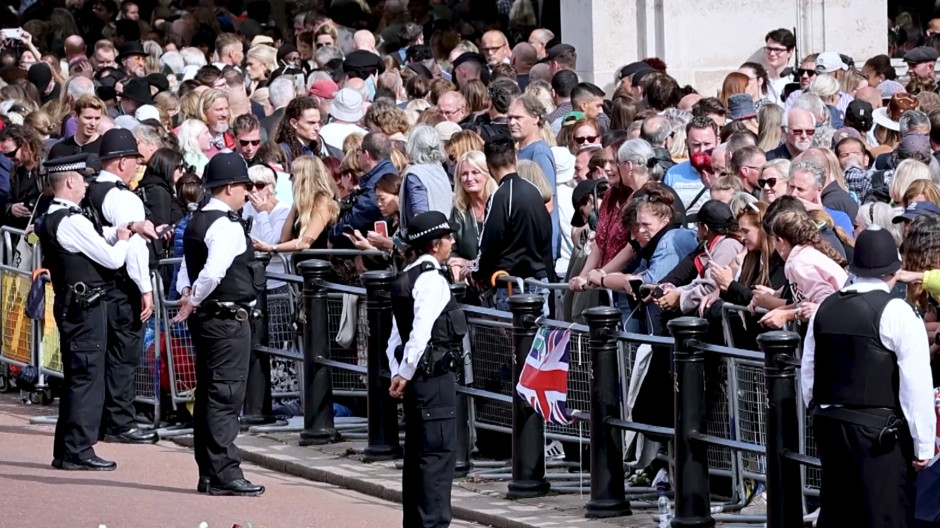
{"points": [[24, 189], [517, 233]]}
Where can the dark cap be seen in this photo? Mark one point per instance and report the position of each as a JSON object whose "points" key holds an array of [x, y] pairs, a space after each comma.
{"points": [[630, 69], [843, 133], [39, 75], [875, 253], [912, 144], [362, 63], [428, 226], [914, 210], [558, 49], [921, 54], [469, 56], [158, 81], [741, 106], [421, 70], [129, 49], [285, 50], [716, 215], [860, 112], [73, 162], [117, 143], [137, 90], [225, 168]]}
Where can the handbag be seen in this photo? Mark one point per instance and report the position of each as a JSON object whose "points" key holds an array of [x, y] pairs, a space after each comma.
{"points": [[346, 335]]}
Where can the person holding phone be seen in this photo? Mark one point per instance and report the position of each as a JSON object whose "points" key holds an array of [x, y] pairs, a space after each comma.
{"points": [[385, 234], [24, 148], [315, 208], [662, 244]]}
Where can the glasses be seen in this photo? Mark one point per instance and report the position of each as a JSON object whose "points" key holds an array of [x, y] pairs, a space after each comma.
{"points": [[802, 132], [768, 182], [451, 112], [770, 50], [12, 153], [252, 142], [805, 72], [585, 139], [260, 185]]}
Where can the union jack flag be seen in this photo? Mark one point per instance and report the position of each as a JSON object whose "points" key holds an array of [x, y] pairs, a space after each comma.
{"points": [[544, 378]]}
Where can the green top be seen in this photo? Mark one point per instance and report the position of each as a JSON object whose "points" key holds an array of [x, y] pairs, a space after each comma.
{"points": [[466, 234]]}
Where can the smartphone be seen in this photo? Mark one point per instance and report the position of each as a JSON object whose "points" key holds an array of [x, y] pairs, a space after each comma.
{"points": [[349, 230], [636, 286], [11, 33], [381, 227], [658, 292], [166, 229]]}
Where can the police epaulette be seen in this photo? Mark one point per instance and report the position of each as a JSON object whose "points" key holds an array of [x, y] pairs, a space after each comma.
{"points": [[428, 266]]}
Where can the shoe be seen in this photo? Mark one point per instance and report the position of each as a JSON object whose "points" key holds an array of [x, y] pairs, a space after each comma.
{"points": [[57, 463], [203, 486], [239, 487], [94, 463], [132, 436]]}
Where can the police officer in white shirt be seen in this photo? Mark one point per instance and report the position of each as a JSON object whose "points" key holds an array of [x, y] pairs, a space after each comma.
{"points": [[218, 280], [111, 203], [82, 263], [866, 373], [423, 349]]}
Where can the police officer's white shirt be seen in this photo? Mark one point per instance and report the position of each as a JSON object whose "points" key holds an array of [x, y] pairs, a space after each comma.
{"points": [[122, 206], [431, 294], [76, 234], [225, 240], [901, 331]]}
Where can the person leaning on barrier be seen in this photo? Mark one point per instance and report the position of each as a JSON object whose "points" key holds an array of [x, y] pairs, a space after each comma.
{"points": [[82, 263], [218, 282], [866, 375], [111, 203], [423, 351]]}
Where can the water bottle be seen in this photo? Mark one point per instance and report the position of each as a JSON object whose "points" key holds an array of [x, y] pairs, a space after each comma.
{"points": [[665, 509]]}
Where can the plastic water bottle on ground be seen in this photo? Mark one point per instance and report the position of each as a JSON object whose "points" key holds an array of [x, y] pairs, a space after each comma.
{"points": [[665, 508]]}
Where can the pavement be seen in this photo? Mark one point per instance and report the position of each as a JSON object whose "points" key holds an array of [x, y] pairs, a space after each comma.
{"points": [[316, 486]]}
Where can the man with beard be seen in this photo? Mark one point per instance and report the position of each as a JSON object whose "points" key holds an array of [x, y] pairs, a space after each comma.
{"points": [[133, 59], [799, 131]]}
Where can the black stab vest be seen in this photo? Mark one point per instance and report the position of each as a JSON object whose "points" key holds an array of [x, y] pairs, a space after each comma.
{"points": [[238, 283], [853, 368], [449, 328], [67, 268]]}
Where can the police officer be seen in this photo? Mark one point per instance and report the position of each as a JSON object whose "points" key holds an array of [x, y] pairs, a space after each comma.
{"points": [[422, 365], [217, 281], [130, 302], [866, 374], [82, 264]]}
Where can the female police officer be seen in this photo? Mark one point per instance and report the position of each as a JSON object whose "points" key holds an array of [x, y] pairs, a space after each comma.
{"points": [[422, 367]]}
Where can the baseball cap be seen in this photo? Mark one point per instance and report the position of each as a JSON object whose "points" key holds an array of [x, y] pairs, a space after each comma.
{"points": [[829, 61], [916, 209]]}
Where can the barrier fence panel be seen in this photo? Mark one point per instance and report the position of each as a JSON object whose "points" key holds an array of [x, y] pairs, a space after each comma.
{"points": [[354, 326], [16, 329], [491, 357]]}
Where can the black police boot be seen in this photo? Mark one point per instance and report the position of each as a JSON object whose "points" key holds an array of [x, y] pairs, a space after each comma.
{"points": [[132, 436], [203, 486], [240, 487], [94, 463]]}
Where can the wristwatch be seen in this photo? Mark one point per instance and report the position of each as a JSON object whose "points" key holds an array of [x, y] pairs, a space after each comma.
{"points": [[130, 226]]}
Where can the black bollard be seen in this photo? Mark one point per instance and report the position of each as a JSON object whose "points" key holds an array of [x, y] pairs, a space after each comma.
{"points": [[784, 492], [607, 493], [463, 467], [382, 408], [528, 428], [318, 385], [258, 403], [693, 504]]}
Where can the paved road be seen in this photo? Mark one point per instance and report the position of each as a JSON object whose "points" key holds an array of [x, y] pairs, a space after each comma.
{"points": [[154, 486]]}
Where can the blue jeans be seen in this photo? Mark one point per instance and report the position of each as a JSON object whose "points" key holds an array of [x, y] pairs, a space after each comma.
{"points": [[502, 296]]}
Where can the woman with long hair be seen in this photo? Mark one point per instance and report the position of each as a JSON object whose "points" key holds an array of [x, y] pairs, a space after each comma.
{"points": [[734, 83], [315, 208], [157, 187], [813, 268], [769, 131], [260, 62], [195, 142], [473, 190], [920, 191]]}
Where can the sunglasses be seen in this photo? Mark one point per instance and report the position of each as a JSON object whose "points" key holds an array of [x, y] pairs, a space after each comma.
{"points": [[770, 182], [252, 142], [804, 72], [585, 139], [803, 132]]}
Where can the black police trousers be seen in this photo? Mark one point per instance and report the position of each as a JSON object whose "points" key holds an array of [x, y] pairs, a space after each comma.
{"points": [[223, 346], [82, 340], [125, 346], [862, 484], [430, 450]]}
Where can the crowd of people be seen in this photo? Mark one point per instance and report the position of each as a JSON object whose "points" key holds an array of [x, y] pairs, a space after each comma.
{"points": [[363, 115]]}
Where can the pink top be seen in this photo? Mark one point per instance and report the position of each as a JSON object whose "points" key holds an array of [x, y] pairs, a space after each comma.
{"points": [[813, 276]]}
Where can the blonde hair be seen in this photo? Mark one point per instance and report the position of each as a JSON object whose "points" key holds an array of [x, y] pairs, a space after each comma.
{"points": [[165, 101], [315, 191], [478, 161], [907, 172], [463, 142], [265, 55], [825, 86], [189, 136], [769, 133], [399, 160], [207, 99], [41, 122], [262, 174], [191, 106], [531, 172]]}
